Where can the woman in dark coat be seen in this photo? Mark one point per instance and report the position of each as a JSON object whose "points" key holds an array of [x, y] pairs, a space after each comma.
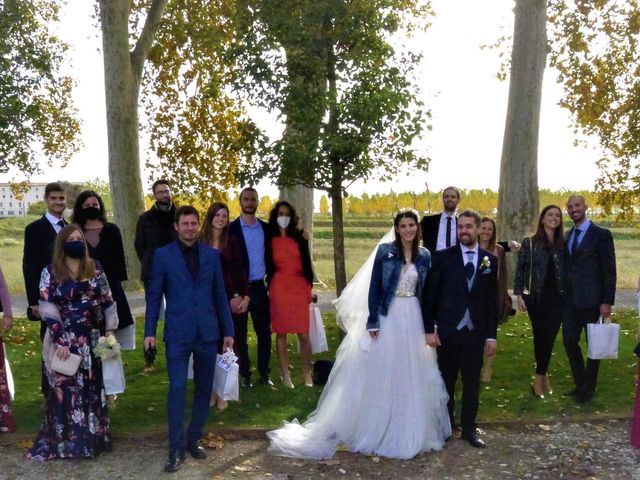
{"points": [[104, 241]]}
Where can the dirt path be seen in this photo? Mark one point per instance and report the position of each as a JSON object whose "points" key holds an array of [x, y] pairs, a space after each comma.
{"points": [[587, 450]]}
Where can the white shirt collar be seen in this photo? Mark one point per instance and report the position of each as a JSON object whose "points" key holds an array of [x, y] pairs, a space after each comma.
{"points": [[53, 220]]}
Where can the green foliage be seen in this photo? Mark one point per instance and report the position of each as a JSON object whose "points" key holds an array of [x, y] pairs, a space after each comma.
{"points": [[37, 208], [37, 117], [595, 48], [198, 129]]}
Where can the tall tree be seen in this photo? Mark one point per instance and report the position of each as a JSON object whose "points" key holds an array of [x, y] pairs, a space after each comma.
{"points": [[124, 57], [349, 98], [37, 117], [595, 47], [518, 200]]}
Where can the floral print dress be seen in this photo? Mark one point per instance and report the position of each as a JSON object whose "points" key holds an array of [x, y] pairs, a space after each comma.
{"points": [[75, 423]]}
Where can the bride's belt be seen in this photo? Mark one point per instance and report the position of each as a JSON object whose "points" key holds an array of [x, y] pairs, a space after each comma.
{"points": [[405, 294]]}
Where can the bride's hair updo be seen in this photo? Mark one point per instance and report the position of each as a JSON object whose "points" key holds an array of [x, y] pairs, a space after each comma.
{"points": [[412, 214]]}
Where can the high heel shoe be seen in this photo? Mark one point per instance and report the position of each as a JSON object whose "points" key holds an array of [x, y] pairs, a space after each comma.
{"points": [[533, 392], [537, 388], [286, 381], [308, 381], [546, 386]]}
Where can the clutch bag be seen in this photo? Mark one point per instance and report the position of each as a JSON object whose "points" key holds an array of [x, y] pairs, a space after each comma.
{"points": [[67, 367]]}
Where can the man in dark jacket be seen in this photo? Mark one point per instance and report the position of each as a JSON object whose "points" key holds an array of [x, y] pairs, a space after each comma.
{"points": [[155, 227], [39, 237], [591, 290]]}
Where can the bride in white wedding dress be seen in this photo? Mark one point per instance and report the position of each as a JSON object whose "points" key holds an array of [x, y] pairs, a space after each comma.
{"points": [[385, 395]]}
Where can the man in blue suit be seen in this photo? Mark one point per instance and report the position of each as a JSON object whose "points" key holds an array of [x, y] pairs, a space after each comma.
{"points": [[189, 275], [459, 310], [591, 290]]}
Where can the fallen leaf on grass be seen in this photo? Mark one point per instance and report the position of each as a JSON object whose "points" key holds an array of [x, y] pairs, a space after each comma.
{"points": [[546, 428], [150, 409], [213, 441], [25, 444]]}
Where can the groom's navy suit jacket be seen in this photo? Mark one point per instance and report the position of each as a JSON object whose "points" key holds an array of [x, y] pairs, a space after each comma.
{"points": [[447, 296], [199, 306]]}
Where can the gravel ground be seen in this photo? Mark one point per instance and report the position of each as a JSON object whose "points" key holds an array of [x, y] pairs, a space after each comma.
{"points": [[591, 449]]}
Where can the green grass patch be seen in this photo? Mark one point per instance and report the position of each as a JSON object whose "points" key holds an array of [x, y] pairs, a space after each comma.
{"points": [[143, 406]]}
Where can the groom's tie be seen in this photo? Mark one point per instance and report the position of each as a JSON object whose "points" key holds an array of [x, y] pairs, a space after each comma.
{"points": [[575, 244], [469, 266]]}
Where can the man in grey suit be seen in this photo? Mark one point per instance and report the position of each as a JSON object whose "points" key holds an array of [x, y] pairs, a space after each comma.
{"points": [[591, 289]]}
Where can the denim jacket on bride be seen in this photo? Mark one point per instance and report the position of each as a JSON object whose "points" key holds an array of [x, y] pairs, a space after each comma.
{"points": [[385, 276]]}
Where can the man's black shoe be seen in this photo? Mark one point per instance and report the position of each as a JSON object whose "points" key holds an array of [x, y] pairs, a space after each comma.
{"points": [[246, 382], [266, 381], [584, 396], [196, 450], [175, 461], [573, 393], [473, 440]]}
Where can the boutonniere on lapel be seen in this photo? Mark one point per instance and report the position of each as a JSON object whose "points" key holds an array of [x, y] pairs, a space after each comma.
{"points": [[485, 265], [390, 255]]}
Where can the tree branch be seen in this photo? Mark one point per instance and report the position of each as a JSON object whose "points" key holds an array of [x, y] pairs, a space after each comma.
{"points": [[147, 36]]}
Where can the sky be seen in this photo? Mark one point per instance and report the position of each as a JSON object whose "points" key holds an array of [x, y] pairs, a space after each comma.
{"points": [[458, 83]]}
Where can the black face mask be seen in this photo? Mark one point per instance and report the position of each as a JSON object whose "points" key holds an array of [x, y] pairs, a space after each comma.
{"points": [[74, 249], [91, 213]]}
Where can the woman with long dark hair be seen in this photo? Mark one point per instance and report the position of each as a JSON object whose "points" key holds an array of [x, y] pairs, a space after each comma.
{"points": [[75, 303], [104, 242], [540, 284], [290, 279], [385, 395], [215, 233]]}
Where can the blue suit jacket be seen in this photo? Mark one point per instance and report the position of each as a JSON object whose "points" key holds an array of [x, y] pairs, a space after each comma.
{"points": [[192, 306]]}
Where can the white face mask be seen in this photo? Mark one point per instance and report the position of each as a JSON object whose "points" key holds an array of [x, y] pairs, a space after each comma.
{"points": [[283, 222]]}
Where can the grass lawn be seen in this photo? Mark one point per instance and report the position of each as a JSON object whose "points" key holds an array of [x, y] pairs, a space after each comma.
{"points": [[143, 406]]}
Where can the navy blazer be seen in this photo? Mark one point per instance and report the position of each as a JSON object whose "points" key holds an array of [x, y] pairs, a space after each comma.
{"points": [[447, 296], [39, 237], [235, 229], [192, 306], [591, 271]]}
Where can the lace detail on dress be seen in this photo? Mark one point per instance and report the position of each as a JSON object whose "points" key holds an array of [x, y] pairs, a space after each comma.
{"points": [[408, 281]]}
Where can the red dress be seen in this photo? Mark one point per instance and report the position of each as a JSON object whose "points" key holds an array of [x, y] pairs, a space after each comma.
{"points": [[289, 290]]}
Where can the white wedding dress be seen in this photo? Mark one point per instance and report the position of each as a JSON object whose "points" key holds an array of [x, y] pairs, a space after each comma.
{"points": [[385, 396]]}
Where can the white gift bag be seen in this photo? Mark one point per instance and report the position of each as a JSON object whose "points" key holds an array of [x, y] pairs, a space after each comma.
{"points": [[127, 337], [317, 334], [7, 370], [113, 376], [225, 380], [602, 339]]}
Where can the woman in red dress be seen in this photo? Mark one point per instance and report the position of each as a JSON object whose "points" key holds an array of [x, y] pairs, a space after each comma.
{"points": [[290, 279], [6, 418]]}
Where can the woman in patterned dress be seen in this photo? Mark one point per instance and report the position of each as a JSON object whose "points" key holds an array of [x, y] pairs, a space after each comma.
{"points": [[75, 302]]}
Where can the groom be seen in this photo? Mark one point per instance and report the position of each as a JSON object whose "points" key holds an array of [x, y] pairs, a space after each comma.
{"points": [[460, 317]]}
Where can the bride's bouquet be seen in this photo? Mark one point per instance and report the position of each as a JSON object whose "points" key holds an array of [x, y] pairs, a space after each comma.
{"points": [[107, 347]]}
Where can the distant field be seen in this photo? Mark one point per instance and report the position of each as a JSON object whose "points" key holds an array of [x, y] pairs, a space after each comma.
{"points": [[361, 235]]}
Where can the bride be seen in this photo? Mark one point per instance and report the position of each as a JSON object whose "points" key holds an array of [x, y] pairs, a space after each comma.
{"points": [[385, 395]]}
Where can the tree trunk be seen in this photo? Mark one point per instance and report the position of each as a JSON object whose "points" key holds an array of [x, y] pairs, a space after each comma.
{"points": [[122, 74], [518, 198], [337, 220]]}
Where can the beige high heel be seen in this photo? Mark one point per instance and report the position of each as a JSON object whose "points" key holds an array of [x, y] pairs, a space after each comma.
{"points": [[286, 381], [308, 381]]}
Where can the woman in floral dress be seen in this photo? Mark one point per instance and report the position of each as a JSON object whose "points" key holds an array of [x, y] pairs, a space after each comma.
{"points": [[74, 300]]}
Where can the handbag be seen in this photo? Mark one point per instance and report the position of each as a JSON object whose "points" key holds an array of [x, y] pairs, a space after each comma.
{"points": [[317, 334], [602, 339], [225, 380], [113, 376], [67, 367]]}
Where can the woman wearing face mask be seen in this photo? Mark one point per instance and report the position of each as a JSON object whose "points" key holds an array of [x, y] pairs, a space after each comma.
{"points": [[290, 278], [75, 301], [105, 245]]}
